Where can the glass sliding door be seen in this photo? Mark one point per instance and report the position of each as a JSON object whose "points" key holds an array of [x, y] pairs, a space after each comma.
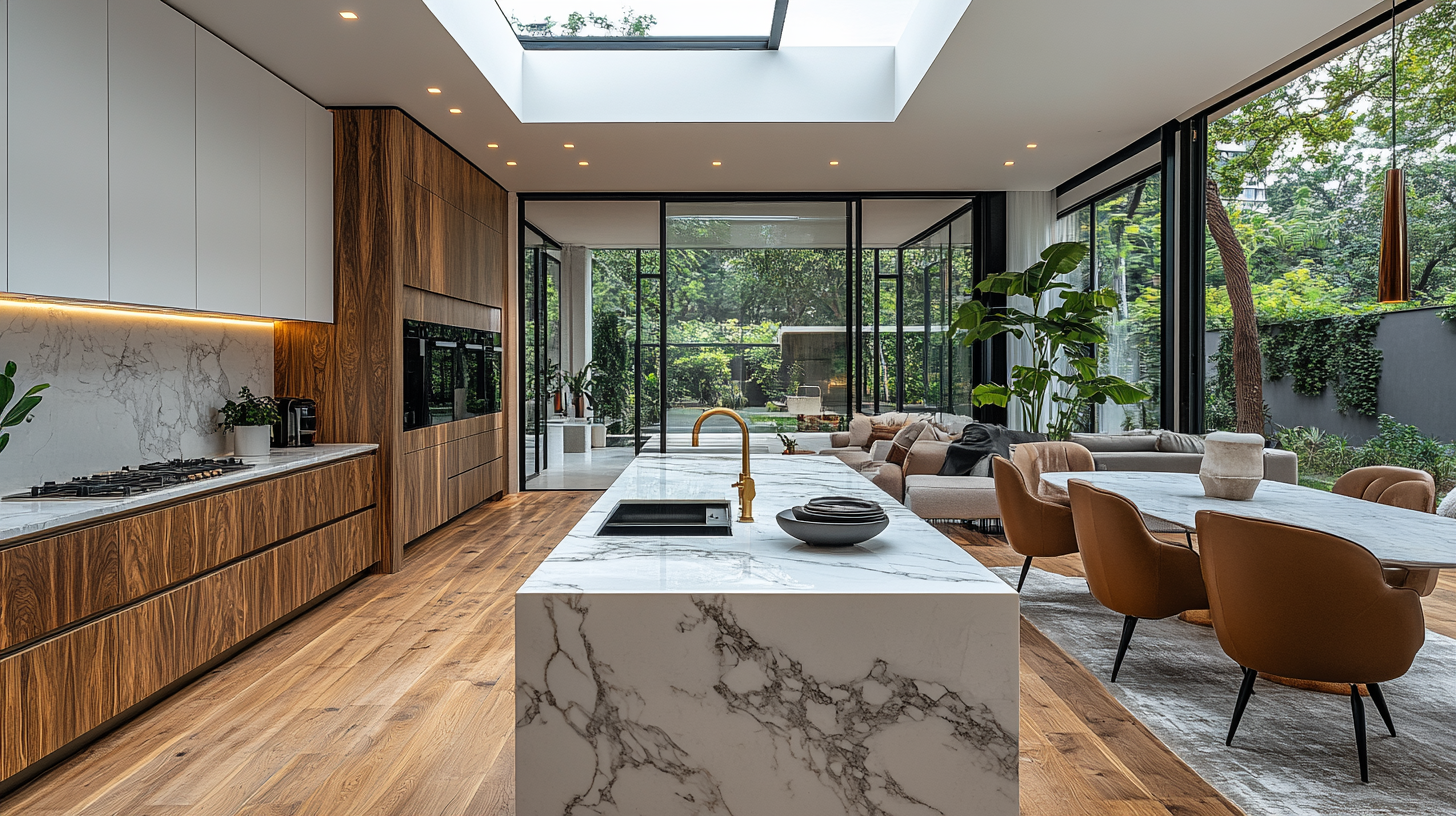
{"points": [[540, 349], [937, 276], [758, 314]]}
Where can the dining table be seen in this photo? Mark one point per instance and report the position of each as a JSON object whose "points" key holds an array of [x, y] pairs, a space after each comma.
{"points": [[1396, 536]]}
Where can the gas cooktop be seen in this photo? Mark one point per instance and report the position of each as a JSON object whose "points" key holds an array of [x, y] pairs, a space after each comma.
{"points": [[117, 484]]}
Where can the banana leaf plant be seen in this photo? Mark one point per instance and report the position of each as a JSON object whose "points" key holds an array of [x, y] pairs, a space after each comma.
{"points": [[1062, 328], [10, 416]]}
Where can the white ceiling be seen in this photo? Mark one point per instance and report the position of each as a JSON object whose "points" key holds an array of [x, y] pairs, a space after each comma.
{"points": [[1081, 79]]}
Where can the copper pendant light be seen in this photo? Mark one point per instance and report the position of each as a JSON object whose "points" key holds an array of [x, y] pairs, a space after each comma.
{"points": [[1394, 282]]}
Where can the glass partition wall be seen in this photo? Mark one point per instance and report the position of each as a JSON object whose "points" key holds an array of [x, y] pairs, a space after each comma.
{"points": [[775, 310]]}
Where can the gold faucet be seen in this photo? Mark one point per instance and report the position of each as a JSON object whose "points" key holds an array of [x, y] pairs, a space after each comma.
{"points": [[744, 484]]}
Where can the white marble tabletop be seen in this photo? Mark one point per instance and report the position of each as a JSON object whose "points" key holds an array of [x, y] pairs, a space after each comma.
{"points": [[1398, 537], [910, 556], [24, 518]]}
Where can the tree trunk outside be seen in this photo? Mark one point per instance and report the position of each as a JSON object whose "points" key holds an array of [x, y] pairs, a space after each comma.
{"points": [[1248, 363]]}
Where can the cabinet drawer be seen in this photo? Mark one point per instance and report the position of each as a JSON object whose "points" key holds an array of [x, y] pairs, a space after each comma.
{"points": [[475, 486], [62, 688], [52, 582]]}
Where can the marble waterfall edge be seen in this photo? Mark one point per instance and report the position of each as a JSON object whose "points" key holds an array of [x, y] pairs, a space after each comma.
{"points": [[753, 675]]}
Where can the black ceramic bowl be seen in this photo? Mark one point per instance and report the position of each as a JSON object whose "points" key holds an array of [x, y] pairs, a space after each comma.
{"points": [[824, 534], [805, 514]]}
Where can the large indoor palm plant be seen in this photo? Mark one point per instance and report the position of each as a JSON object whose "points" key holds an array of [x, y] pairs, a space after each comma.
{"points": [[1061, 331]]}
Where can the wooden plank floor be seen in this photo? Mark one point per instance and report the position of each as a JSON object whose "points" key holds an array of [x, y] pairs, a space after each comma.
{"points": [[395, 697]]}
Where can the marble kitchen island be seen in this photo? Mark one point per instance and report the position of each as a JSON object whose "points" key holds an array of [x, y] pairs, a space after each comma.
{"points": [[756, 675]]}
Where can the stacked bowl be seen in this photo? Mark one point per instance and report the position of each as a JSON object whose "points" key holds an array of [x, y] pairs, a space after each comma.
{"points": [[834, 521]]}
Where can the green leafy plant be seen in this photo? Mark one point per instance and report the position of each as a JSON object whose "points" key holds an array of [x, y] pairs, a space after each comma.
{"points": [[21, 411], [1062, 379], [790, 444], [580, 384], [1337, 351], [249, 410]]}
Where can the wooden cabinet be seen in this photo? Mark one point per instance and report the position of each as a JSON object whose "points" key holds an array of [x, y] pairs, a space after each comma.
{"points": [[153, 155], [95, 621], [149, 162], [58, 202], [420, 236]]}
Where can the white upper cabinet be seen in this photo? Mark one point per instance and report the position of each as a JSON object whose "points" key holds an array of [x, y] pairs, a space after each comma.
{"points": [[153, 155], [57, 128], [229, 170], [319, 201], [282, 144], [145, 161]]}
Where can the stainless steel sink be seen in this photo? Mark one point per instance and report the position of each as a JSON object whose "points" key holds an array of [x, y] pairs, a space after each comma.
{"points": [[643, 517]]}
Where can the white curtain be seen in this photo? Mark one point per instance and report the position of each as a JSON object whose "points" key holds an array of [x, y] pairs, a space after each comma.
{"points": [[1030, 228]]}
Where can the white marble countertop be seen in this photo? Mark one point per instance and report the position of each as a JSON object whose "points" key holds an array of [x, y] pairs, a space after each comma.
{"points": [[24, 518], [908, 557], [1398, 537]]}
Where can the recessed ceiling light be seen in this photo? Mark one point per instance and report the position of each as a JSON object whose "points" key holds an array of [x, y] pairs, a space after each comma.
{"points": [[454, 110], [834, 163], [433, 90], [1008, 164], [568, 145], [510, 164], [717, 164], [492, 145], [1031, 146], [348, 15], [582, 163]]}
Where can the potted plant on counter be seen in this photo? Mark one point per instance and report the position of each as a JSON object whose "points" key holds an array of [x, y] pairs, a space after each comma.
{"points": [[10, 416], [580, 385], [251, 420]]}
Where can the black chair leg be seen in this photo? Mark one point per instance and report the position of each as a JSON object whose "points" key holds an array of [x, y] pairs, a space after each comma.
{"points": [[1379, 697], [1025, 568], [1358, 707], [1128, 624], [1245, 690]]}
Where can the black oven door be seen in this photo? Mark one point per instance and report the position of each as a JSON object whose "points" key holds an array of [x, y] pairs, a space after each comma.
{"points": [[416, 381]]}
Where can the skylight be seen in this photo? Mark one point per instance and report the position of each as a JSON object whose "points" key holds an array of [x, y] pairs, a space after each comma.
{"points": [[646, 24]]}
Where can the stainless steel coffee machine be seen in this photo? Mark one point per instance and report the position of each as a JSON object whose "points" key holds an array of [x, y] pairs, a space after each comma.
{"points": [[297, 423]]}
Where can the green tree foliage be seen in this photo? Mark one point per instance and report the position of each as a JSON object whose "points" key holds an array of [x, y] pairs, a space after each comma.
{"points": [[1320, 144]]}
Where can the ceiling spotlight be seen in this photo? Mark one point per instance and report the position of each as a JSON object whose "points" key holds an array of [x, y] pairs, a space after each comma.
{"points": [[510, 164], [834, 163], [582, 163], [433, 90], [492, 145], [717, 164], [348, 15], [1031, 146], [1008, 164], [454, 110], [568, 145]]}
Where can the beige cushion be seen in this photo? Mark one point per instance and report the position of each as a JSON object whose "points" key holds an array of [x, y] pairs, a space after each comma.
{"points": [[900, 444], [1119, 443], [859, 432], [951, 497], [1169, 442], [887, 477], [854, 457]]}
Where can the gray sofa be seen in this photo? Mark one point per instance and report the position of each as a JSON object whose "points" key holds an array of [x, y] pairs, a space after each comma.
{"points": [[917, 485]]}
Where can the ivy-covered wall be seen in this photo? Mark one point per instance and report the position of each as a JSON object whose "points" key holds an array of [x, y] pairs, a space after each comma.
{"points": [[1405, 361]]}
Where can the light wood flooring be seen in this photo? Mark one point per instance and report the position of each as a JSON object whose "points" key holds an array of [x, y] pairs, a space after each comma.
{"points": [[395, 697]]}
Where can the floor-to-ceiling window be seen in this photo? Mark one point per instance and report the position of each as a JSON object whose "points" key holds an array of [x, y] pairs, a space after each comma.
{"points": [[540, 347], [1123, 230], [937, 275], [758, 313]]}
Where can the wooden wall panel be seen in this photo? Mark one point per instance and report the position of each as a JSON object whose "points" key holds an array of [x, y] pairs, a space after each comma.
{"points": [[62, 688], [53, 582], [429, 306]]}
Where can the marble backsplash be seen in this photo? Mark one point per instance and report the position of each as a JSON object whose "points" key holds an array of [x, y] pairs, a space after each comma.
{"points": [[125, 387]]}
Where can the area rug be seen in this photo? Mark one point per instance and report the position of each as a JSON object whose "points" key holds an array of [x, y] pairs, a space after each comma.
{"points": [[1295, 750]]}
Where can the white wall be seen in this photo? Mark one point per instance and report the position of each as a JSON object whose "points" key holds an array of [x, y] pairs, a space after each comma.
{"points": [[576, 307]]}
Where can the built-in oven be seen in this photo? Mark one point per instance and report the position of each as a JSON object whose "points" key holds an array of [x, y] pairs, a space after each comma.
{"points": [[450, 373]]}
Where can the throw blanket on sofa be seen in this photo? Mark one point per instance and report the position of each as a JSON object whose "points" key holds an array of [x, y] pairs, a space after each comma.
{"points": [[971, 454]]}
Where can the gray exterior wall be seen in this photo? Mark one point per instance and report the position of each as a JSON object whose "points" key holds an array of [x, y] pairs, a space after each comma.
{"points": [[1417, 381]]}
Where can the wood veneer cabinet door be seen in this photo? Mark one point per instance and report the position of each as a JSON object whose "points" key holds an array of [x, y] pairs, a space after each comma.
{"points": [[62, 688]]}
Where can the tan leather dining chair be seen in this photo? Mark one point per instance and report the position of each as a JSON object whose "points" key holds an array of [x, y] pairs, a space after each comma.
{"points": [[1398, 487], [1035, 526], [1128, 570], [1308, 605]]}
